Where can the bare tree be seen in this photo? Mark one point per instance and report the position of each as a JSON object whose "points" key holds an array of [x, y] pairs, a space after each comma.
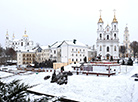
{"points": [[134, 47], [11, 52], [122, 50]]}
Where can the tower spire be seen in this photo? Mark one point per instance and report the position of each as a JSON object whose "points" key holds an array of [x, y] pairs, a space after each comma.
{"points": [[7, 33], [100, 19], [13, 37], [25, 35], [114, 19]]}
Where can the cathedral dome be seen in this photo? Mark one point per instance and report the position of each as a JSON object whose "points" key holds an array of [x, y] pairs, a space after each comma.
{"points": [[100, 20], [25, 35], [114, 20]]}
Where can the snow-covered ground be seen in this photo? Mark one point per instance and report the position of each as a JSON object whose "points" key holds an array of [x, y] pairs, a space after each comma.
{"points": [[118, 88]]}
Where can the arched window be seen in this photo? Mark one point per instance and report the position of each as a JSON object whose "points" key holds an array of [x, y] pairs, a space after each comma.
{"points": [[114, 48], [21, 43], [100, 48], [114, 27], [107, 37], [100, 26], [107, 49], [100, 36], [115, 36]]}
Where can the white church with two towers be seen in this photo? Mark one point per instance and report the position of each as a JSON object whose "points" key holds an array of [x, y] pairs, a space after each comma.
{"points": [[107, 39]]}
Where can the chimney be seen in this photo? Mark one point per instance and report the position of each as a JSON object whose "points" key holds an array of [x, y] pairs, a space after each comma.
{"points": [[74, 41]]}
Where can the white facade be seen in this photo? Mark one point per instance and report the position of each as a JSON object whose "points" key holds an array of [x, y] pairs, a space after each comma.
{"points": [[107, 39], [69, 51], [19, 44], [126, 41]]}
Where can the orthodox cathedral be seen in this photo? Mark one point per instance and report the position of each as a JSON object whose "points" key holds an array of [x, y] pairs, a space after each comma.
{"points": [[107, 39], [23, 44]]}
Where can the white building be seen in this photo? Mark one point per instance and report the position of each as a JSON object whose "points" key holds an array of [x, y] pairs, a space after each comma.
{"points": [[126, 42], [68, 51], [107, 39], [19, 44]]}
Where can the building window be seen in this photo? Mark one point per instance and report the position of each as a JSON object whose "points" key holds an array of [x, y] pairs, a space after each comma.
{"points": [[76, 59], [126, 38], [83, 50], [72, 49], [114, 48], [107, 49], [54, 51], [100, 26], [72, 54], [107, 37], [80, 50], [80, 54], [100, 48], [100, 36], [21, 43], [72, 59], [76, 54], [80, 59], [76, 49], [115, 36], [114, 27]]}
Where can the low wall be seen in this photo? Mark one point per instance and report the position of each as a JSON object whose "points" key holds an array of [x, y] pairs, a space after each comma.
{"points": [[59, 65]]}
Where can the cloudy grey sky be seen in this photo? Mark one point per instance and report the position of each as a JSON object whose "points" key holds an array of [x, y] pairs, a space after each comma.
{"points": [[47, 21]]}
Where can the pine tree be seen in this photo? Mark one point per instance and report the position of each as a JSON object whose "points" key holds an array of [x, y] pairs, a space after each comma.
{"points": [[13, 92]]}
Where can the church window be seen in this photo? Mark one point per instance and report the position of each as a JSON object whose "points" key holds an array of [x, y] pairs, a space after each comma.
{"points": [[21, 43], [100, 48], [107, 37], [126, 38], [114, 27], [54, 51], [115, 36], [107, 49], [114, 48], [100, 36], [100, 26]]}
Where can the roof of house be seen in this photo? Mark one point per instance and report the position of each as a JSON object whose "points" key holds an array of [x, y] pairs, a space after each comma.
{"points": [[68, 42]]}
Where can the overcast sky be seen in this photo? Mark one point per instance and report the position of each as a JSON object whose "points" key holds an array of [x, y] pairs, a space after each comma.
{"points": [[48, 21]]}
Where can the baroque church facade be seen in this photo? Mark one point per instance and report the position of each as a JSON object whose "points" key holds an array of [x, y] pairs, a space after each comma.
{"points": [[23, 44], [107, 40]]}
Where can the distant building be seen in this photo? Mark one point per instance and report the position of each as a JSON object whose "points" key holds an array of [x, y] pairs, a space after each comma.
{"points": [[19, 44], [107, 39], [42, 54], [25, 57], [126, 42]]}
